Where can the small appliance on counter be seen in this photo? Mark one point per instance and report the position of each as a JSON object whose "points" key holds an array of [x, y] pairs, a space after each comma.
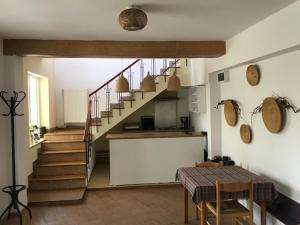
{"points": [[147, 122], [131, 126], [184, 122]]}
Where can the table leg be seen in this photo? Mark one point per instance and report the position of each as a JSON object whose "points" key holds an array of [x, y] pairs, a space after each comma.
{"points": [[203, 218], [263, 213], [186, 206]]}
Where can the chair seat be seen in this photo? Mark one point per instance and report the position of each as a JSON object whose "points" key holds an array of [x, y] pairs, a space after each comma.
{"points": [[230, 208]]}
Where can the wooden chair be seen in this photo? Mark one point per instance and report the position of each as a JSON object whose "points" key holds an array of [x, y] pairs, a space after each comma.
{"points": [[204, 165], [232, 209], [207, 164]]}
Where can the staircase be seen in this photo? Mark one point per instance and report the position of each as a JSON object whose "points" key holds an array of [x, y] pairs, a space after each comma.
{"points": [[101, 120], [59, 176]]}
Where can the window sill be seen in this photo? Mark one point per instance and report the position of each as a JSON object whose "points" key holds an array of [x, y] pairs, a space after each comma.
{"points": [[36, 143]]}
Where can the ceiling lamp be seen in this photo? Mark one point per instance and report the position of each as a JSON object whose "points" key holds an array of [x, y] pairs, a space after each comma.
{"points": [[148, 84], [133, 19], [122, 84], [174, 82]]}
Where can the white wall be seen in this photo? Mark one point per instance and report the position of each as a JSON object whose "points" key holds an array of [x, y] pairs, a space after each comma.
{"points": [[268, 152], [83, 74], [273, 44], [5, 176]]}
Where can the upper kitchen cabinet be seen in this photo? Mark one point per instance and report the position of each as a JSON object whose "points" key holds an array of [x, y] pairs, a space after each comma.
{"points": [[197, 69]]}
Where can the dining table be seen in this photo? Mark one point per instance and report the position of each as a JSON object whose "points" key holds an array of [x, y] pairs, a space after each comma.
{"points": [[200, 183]]}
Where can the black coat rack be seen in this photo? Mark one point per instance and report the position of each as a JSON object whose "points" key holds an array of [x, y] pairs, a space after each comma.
{"points": [[14, 189]]}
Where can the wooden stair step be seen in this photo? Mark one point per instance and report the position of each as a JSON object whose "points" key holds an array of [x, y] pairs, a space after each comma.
{"points": [[61, 156], [62, 141], [63, 145], [58, 182], [117, 106], [65, 135], [59, 177], [106, 114], [128, 98], [72, 163], [136, 90], [95, 124], [57, 197], [62, 152], [94, 119], [66, 132], [59, 168]]}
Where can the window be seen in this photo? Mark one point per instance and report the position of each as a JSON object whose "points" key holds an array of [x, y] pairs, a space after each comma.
{"points": [[34, 98]]}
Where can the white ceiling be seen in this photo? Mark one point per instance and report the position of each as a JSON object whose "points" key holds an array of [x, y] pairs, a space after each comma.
{"points": [[98, 19]]}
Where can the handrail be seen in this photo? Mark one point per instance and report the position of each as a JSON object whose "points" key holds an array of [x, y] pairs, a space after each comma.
{"points": [[88, 118], [114, 77], [166, 69]]}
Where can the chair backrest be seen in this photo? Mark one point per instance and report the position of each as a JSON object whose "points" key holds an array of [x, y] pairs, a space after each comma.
{"points": [[234, 187], [207, 164]]}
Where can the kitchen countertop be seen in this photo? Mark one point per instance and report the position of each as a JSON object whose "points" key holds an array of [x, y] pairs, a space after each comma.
{"points": [[153, 134]]}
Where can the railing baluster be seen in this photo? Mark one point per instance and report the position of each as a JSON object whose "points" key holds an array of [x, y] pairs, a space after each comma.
{"points": [[108, 103], [142, 77], [130, 86], [96, 106], [165, 69]]}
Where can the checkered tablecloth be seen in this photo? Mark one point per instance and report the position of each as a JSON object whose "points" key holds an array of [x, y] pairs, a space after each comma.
{"points": [[201, 183]]}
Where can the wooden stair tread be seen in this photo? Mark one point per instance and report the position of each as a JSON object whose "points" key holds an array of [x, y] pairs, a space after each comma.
{"points": [[73, 163], [63, 141], [57, 197], [128, 99], [57, 178], [136, 90], [61, 152], [66, 132], [117, 106]]}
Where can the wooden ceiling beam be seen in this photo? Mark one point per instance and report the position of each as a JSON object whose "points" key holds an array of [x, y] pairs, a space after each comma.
{"points": [[109, 49]]}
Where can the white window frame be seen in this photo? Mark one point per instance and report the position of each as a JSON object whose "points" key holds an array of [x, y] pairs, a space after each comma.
{"points": [[30, 76]]}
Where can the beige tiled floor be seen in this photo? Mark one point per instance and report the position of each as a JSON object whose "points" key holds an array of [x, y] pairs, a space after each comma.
{"points": [[100, 176], [141, 206]]}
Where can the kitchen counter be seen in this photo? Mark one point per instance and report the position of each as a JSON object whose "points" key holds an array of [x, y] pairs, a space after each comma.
{"points": [[153, 134], [152, 156]]}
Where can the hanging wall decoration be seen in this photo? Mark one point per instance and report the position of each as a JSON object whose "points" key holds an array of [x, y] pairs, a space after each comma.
{"points": [[253, 75], [231, 111], [273, 111], [272, 114], [246, 133]]}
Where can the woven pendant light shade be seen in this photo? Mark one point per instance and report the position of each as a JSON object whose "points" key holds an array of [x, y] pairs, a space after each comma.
{"points": [[122, 84], [133, 19], [148, 84], [174, 83]]}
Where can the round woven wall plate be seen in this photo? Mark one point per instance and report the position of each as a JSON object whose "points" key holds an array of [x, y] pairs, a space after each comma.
{"points": [[246, 133], [272, 115], [253, 75], [230, 113]]}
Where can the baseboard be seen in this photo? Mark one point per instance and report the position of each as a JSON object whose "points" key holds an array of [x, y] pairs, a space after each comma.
{"points": [[136, 186]]}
